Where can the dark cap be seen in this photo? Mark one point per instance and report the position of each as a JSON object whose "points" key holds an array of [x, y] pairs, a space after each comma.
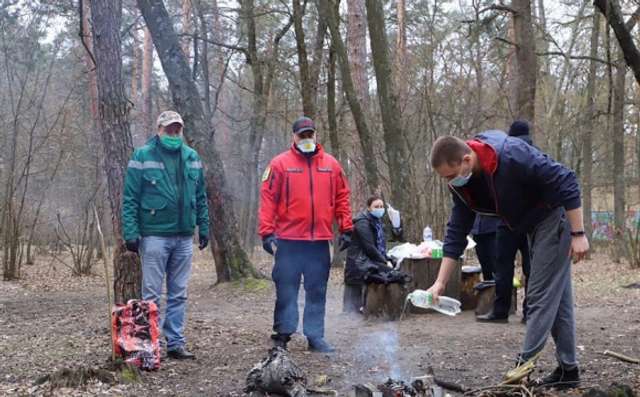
{"points": [[519, 128], [303, 124]]}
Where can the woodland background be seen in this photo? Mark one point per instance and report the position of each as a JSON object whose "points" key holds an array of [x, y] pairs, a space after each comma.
{"points": [[83, 82]]}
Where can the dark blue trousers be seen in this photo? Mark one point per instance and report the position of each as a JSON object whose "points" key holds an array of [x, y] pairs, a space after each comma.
{"points": [[309, 261], [508, 243], [486, 253]]}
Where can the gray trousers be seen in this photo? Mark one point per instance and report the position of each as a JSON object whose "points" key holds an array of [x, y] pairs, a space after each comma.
{"points": [[549, 294]]}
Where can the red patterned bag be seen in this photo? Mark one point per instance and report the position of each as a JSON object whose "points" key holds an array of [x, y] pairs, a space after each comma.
{"points": [[136, 333]]}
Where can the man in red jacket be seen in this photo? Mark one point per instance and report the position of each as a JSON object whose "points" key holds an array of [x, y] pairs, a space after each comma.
{"points": [[303, 190]]}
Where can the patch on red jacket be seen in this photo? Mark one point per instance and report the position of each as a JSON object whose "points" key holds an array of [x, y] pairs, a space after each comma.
{"points": [[486, 155]]}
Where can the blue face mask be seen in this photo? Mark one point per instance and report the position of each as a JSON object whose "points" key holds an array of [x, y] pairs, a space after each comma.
{"points": [[377, 212], [460, 180]]}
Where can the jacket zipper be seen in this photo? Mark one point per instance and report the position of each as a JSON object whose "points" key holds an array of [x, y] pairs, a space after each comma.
{"points": [[331, 188], [180, 175], [287, 193], [313, 217], [474, 210]]}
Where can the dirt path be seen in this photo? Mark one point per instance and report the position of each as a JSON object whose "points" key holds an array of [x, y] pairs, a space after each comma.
{"points": [[50, 320]]}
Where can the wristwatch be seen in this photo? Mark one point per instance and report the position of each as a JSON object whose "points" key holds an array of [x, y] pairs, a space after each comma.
{"points": [[578, 233]]}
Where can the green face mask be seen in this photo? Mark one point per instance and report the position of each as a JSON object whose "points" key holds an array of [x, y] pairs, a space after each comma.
{"points": [[171, 142]]}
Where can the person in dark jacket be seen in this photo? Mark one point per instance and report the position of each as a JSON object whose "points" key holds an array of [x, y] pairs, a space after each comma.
{"points": [[367, 251], [484, 234], [501, 175], [509, 243]]}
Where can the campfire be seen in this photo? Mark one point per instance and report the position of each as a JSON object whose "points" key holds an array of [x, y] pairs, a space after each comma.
{"points": [[393, 388]]}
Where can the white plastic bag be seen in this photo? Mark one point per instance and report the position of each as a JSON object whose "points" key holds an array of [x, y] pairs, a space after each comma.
{"points": [[394, 216]]}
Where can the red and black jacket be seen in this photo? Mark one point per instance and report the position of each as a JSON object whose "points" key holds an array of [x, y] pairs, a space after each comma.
{"points": [[301, 196]]}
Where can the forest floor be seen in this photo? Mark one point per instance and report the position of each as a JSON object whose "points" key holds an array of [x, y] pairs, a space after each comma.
{"points": [[50, 320]]}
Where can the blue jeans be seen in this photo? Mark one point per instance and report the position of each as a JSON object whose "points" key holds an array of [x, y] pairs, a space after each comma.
{"points": [[296, 260], [170, 256]]}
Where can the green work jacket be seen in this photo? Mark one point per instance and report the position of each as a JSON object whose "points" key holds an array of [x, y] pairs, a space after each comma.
{"points": [[156, 204]]}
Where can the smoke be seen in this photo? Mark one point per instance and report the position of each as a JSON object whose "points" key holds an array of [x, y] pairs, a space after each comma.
{"points": [[379, 350]]}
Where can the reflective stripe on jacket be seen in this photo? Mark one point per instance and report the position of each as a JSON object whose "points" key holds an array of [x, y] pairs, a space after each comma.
{"points": [[151, 203]]}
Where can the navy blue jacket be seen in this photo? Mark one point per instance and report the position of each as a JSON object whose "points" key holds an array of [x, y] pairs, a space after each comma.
{"points": [[485, 225], [526, 183]]}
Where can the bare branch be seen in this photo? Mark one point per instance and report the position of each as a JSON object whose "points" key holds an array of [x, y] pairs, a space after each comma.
{"points": [[81, 33], [576, 57], [502, 39]]}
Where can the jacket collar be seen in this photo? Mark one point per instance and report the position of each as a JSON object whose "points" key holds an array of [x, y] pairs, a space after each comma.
{"points": [[487, 155]]}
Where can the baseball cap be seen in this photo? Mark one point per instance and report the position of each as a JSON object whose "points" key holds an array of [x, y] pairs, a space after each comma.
{"points": [[303, 124], [169, 117]]}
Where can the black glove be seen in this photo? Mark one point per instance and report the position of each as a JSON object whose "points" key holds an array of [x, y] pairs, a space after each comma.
{"points": [[132, 245], [203, 242], [269, 243], [344, 241]]}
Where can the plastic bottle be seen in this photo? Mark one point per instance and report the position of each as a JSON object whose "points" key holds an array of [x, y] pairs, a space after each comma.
{"points": [[427, 234], [424, 299]]}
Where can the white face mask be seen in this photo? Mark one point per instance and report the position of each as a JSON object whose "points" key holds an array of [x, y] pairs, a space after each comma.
{"points": [[307, 145]]}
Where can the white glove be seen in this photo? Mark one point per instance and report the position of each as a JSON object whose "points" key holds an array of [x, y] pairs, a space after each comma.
{"points": [[394, 216]]}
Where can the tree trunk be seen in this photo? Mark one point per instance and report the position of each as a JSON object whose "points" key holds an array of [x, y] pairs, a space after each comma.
{"points": [[328, 10], [618, 153], [402, 191], [106, 16], [147, 70], [186, 29], [526, 62], [308, 105], [357, 48], [400, 76], [316, 63], [612, 12], [232, 261], [589, 128], [331, 104]]}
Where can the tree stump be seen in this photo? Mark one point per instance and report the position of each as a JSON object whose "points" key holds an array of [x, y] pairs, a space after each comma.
{"points": [[424, 273], [385, 301], [471, 275]]}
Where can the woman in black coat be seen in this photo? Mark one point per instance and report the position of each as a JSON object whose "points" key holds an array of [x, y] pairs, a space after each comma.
{"points": [[367, 251]]}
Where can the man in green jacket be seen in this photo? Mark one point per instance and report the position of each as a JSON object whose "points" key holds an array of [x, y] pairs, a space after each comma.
{"points": [[164, 199]]}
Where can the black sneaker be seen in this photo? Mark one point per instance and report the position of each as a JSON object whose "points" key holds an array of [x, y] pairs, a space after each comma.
{"points": [[321, 346], [180, 353], [560, 379], [281, 340], [491, 317]]}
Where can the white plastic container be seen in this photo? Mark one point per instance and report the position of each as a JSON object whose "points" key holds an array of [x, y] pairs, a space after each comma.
{"points": [[427, 234], [423, 299]]}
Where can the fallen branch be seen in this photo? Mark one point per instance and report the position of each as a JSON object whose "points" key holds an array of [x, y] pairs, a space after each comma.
{"points": [[622, 357]]}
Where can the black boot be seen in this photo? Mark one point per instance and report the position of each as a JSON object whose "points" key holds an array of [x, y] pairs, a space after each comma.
{"points": [[281, 340], [492, 317], [180, 353], [560, 379], [320, 345]]}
